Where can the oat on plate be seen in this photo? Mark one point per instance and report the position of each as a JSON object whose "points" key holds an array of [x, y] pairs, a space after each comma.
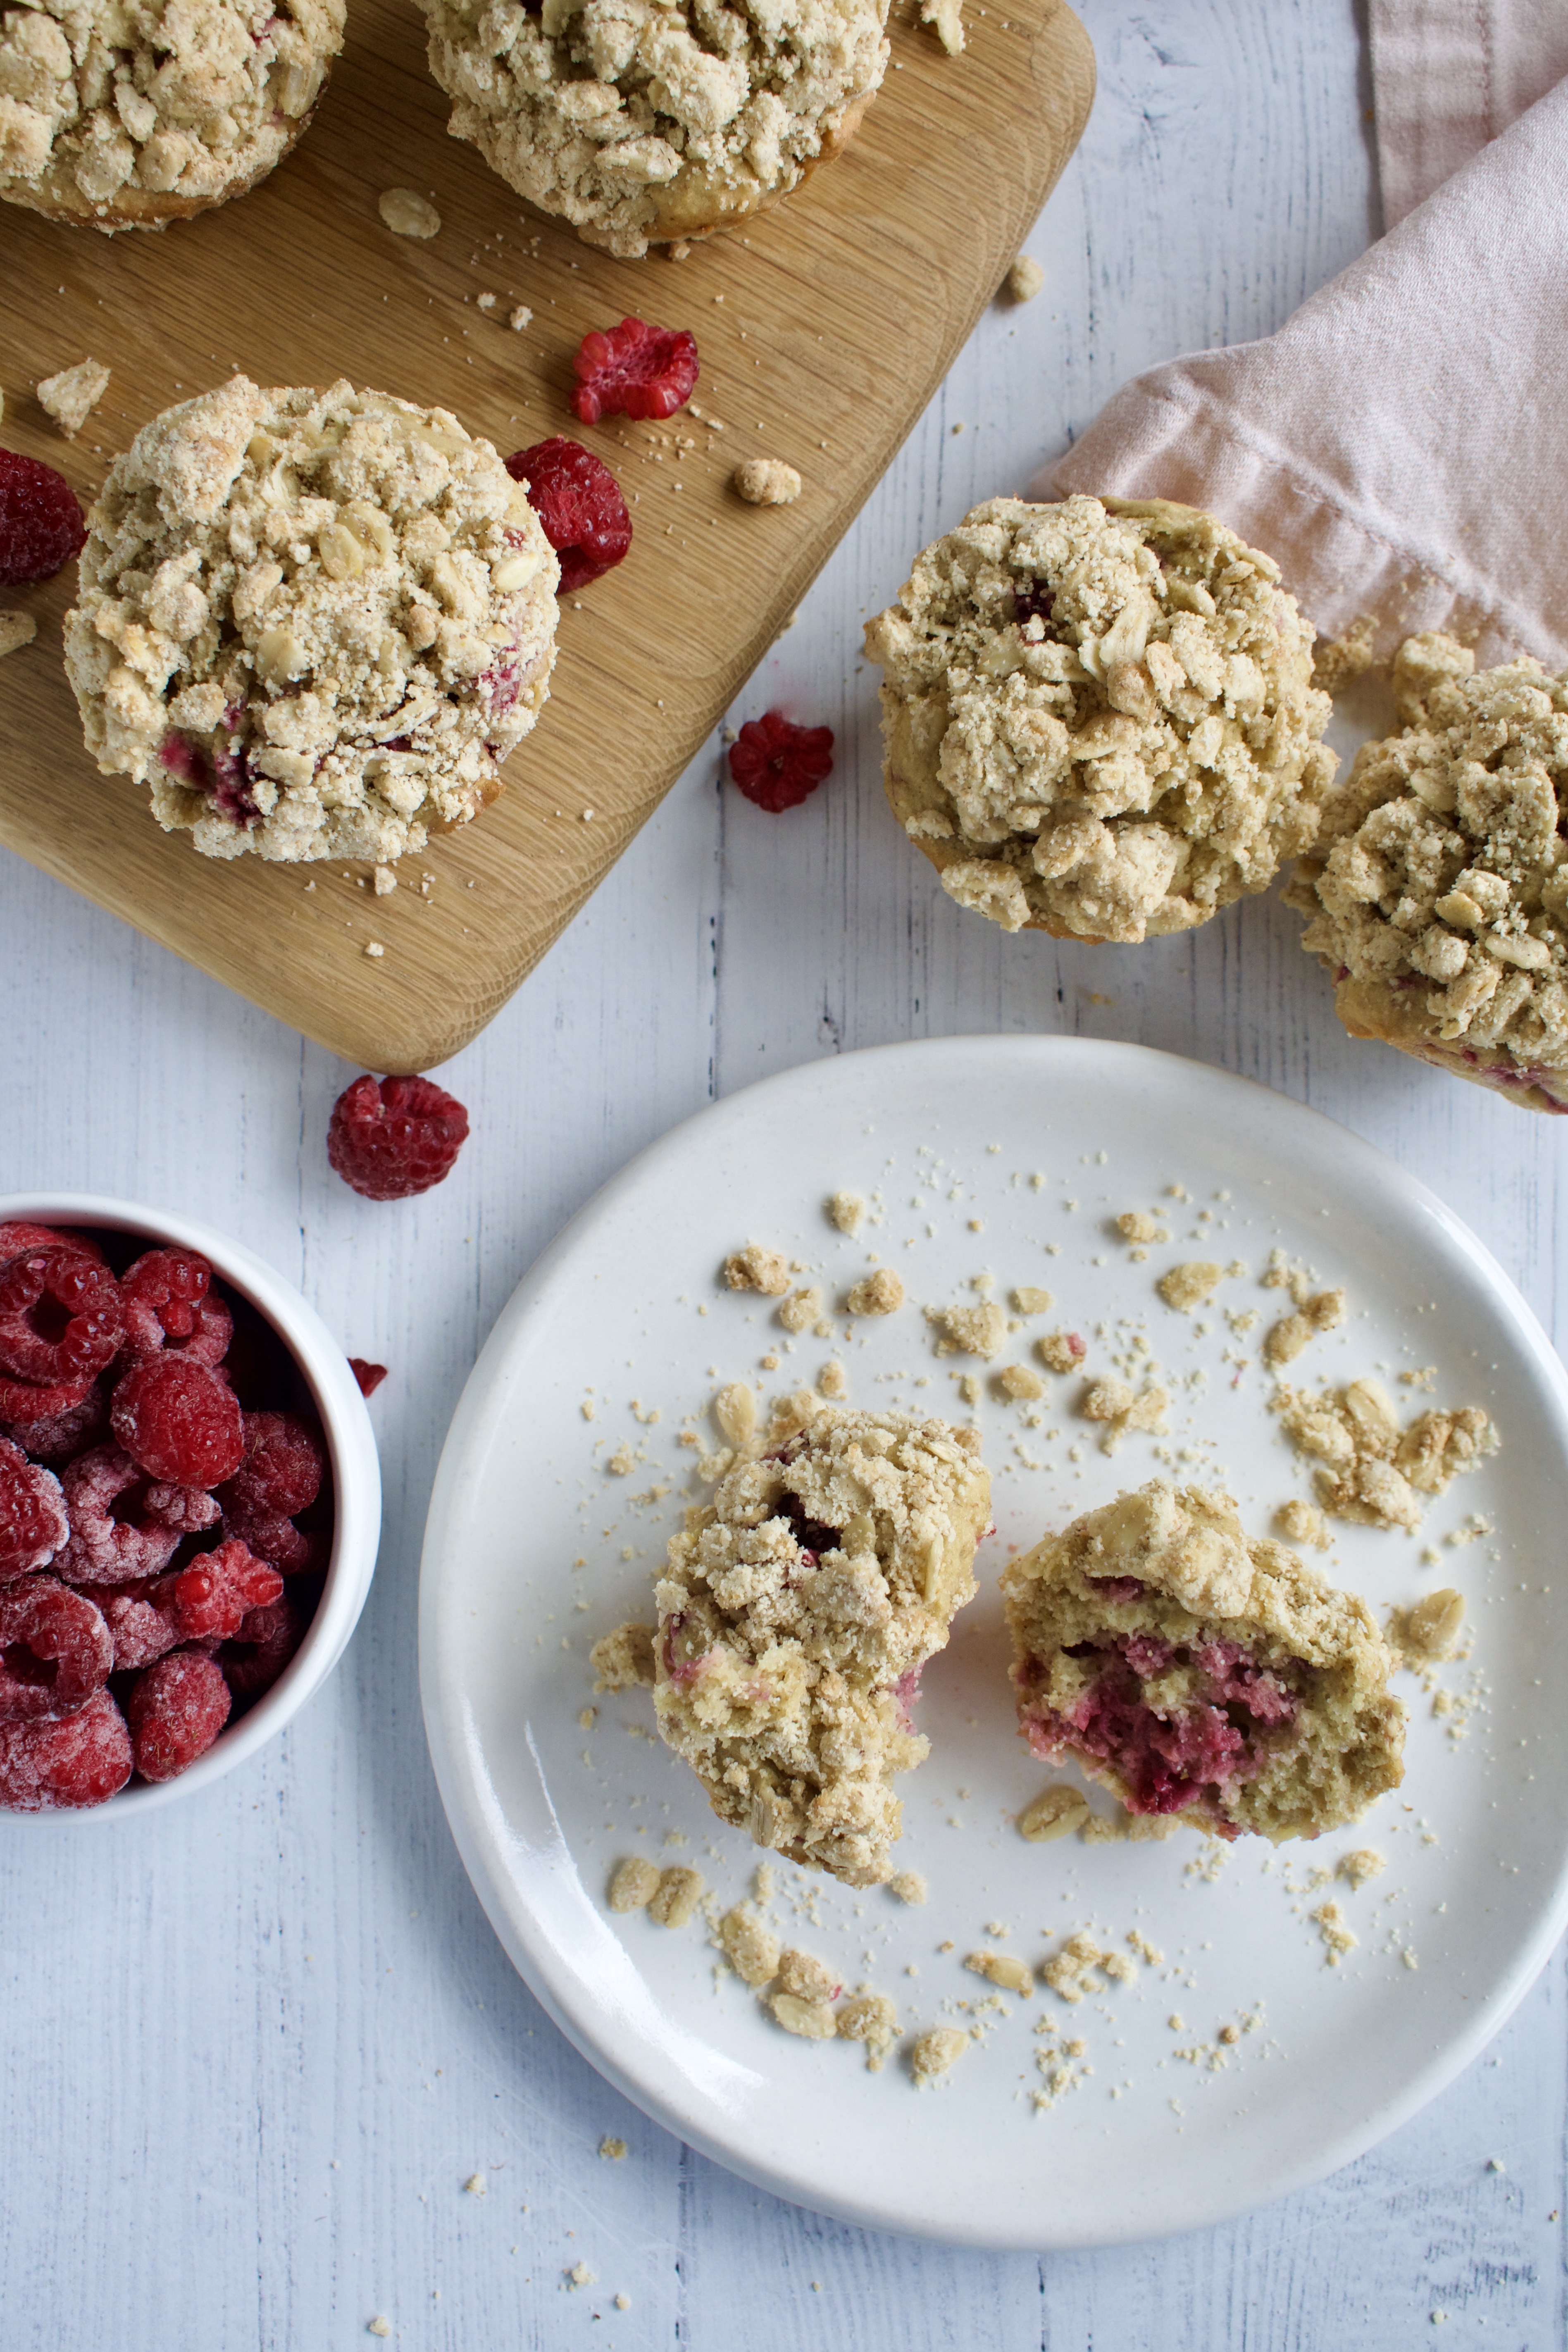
{"points": [[317, 622], [1198, 1673], [795, 1614], [1100, 716]]}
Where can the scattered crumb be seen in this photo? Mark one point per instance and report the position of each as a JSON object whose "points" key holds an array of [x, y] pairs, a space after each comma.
{"points": [[766, 482], [831, 1382], [1056, 1813], [1028, 1300], [580, 2275], [1187, 1288], [813, 2019], [519, 318], [847, 1211], [1137, 1225], [807, 1978], [373, 948], [623, 2303], [882, 1293], [756, 1268], [801, 1309], [971, 1330], [909, 1886], [71, 396], [1429, 1633], [1374, 1472], [1285, 1342], [384, 881], [379, 2325], [612, 2148], [751, 1947], [408, 214], [1113, 1403], [735, 1411], [634, 1884], [1061, 1351], [1017, 1381], [674, 1899], [1002, 1968], [1338, 1937], [945, 18], [17, 630], [1301, 1522], [870, 2018], [1025, 278], [1364, 1863], [475, 2185], [936, 2051]]}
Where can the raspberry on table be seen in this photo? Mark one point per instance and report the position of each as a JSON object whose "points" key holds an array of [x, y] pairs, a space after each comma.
{"points": [[579, 504], [60, 1436], [369, 1376], [82, 1759], [252, 1661], [33, 1522], [41, 525], [210, 1599], [179, 1419], [122, 1526], [61, 1317], [634, 370], [776, 763], [175, 1711], [55, 1650], [397, 1138]]}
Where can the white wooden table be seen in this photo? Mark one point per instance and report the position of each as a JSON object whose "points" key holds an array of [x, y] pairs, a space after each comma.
{"points": [[255, 2046]]}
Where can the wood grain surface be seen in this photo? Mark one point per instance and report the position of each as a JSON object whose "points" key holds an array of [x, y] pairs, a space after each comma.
{"points": [[822, 331]]}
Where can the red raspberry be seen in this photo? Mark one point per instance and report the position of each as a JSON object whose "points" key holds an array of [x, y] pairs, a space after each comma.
{"points": [[40, 522], [399, 1136], [23, 1403], [209, 1601], [283, 1466], [81, 1760], [55, 1650], [175, 1711], [179, 1419], [139, 1631], [17, 1236], [634, 370], [61, 1317], [124, 1526], [778, 764], [33, 1524], [369, 1376], [168, 1300], [263, 1646], [59, 1438], [578, 500]]}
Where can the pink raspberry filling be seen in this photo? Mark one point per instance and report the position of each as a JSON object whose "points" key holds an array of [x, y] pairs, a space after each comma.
{"points": [[906, 1690], [683, 1671]]}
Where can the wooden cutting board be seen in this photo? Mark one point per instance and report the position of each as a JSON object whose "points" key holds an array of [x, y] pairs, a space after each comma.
{"points": [[822, 331]]}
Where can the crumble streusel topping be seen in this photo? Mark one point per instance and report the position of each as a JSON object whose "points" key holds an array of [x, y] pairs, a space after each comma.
{"points": [[1373, 1471], [1098, 715], [1438, 883], [794, 1614], [318, 622], [638, 120], [104, 98]]}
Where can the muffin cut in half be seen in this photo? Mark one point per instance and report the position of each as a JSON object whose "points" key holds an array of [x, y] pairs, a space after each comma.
{"points": [[1438, 883], [317, 622], [1198, 1673], [1100, 716], [644, 122], [795, 1614]]}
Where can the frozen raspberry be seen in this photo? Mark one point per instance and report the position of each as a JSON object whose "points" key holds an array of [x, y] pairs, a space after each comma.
{"points": [[175, 1711], [125, 1526], [82, 1759], [17, 1237], [399, 1136], [369, 1376], [283, 1466], [40, 522], [63, 1435], [263, 1646], [55, 1650], [23, 1403], [1034, 602], [210, 1599], [33, 1524], [634, 370], [168, 1301], [778, 764], [578, 500], [60, 1316], [181, 1420], [139, 1629]]}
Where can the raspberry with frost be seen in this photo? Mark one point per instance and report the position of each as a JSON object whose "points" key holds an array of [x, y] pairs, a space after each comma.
{"points": [[168, 1301], [124, 1526], [391, 1138], [82, 1759], [776, 763], [61, 1317], [61, 1436], [55, 1650], [139, 1629], [579, 504], [634, 370], [283, 1466], [41, 525], [175, 1711], [17, 1237], [179, 1421], [252, 1661], [32, 1523], [210, 1599], [23, 1403]]}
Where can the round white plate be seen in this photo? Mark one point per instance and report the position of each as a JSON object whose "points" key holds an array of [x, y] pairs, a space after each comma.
{"points": [[1006, 1157]]}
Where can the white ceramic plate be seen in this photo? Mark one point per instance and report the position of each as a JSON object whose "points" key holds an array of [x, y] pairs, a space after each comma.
{"points": [[535, 1547]]}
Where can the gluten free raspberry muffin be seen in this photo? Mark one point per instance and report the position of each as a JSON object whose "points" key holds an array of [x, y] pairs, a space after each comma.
{"points": [[641, 121], [129, 113], [795, 1614], [1438, 885], [1100, 716], [317, 622], [1199, 1674]]}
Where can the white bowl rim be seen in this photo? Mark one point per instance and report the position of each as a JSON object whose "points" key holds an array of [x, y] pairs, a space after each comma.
{"points": [[356, 1478]]}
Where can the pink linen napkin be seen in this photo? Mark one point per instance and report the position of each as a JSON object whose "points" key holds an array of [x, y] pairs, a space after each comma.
{"points": [[1400, 447]]}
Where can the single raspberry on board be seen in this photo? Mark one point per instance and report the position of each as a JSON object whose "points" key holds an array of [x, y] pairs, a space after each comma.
{"points": [[579, 504], [61, 1317], [179, 1419], [369, 1376], [55, 1650], [263, 1646], [125, 1526], [175, 1711], [162, 1295], [395, 1137], [59, 1438], [40, 522], [778, 764], [32, 1523], [82, 1759], [634, 370]]}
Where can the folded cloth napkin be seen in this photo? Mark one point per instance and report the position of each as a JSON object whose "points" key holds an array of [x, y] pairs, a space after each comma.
{"points": [[1398, 446], [1450, 75]]}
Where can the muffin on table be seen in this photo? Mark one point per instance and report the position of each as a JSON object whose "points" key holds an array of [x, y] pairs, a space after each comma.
{"points": [[1100, 718], [645, 123], [316, 622], [132, 114]]}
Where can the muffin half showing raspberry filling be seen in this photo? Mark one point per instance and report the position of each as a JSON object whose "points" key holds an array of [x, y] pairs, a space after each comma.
{"points": [[795, 1614], [1199, 1674]]}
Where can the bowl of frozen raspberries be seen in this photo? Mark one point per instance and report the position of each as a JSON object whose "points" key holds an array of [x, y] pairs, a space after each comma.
{"points": [[190, 1503]]}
